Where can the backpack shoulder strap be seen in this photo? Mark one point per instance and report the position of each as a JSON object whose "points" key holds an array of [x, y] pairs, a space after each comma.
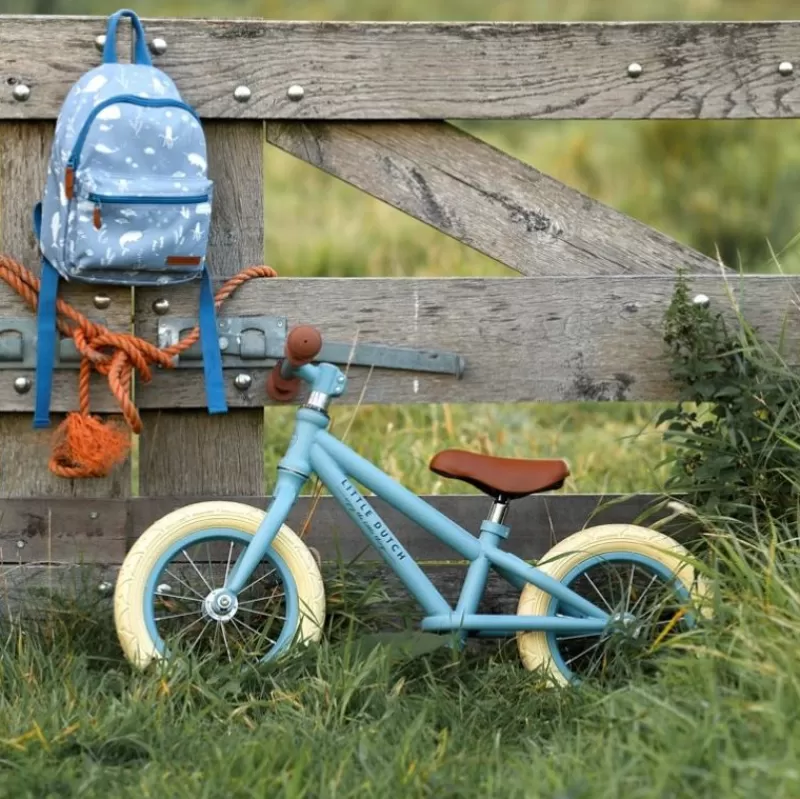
{"points": [[47, 337], [45, 333], [209, 345]]}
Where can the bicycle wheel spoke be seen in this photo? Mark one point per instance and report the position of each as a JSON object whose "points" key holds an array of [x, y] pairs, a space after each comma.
{"points": [[576, 637], [630, 587], [189, 627], [644, 593], [228, 564], [184, 584], [225, 640], [261, 613], [255, 582], [202, 632], [262, 599], [178, 615], [194, 566], [583, 652], [254, 631], [598, 592], [199, 598], [615, 580]]}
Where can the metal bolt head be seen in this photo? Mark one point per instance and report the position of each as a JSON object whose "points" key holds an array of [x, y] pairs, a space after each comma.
{"points": [[105, 587], [295, 93], [701, 300], [242, 381], [22, 385], [100, 42], [161, 306], [224, 601], [241, 94], [158, 47], [786, 68], [634, 70], [101, 301], [21, 92], [20, 545], [223, 343]]}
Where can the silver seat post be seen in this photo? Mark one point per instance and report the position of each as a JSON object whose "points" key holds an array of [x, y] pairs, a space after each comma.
{"points": [[499, 509]]}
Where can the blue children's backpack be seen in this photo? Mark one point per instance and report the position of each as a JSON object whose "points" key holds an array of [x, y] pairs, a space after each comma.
{"points": [[127, 199]]}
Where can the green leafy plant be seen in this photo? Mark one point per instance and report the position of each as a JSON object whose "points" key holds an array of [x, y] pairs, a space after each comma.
{"points": [[736, 426]]}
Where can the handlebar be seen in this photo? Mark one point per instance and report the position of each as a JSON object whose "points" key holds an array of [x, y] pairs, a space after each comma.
{"points": [[302, 345]]}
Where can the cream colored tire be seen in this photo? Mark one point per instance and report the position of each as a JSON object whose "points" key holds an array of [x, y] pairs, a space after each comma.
{"points": [[559, 561], [131, 586]]}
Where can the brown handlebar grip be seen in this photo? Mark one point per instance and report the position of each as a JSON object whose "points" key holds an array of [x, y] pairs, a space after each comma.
{"points": [[302, 345], [279, 388]]}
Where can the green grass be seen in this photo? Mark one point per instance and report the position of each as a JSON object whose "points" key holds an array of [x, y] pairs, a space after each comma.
{"points": [[352, 719]]}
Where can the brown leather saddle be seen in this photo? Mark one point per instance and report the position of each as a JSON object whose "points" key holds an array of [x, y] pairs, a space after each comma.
{"points": [[506, 478]]}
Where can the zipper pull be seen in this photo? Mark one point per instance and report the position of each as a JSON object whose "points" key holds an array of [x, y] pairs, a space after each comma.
{"points": [[69, 182], [98, 222]]}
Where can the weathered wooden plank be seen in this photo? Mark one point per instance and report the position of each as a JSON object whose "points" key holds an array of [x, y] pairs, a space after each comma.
{"points": [[538, 522], [524, 339], [421, 70], [33, 578], [195, 453], [486, 199], [69, 530], [24, 452], [42, 529]]}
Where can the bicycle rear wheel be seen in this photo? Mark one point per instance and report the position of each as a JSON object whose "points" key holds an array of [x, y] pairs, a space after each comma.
{"points": [[640, 577]]}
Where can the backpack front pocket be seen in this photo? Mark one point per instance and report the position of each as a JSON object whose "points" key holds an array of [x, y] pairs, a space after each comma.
{"points": [[152, 232]]}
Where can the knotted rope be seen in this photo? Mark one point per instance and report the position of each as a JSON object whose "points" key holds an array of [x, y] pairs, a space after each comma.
{"points": [[83, 445]]}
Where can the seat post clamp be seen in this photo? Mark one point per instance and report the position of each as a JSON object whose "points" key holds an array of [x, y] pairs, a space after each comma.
{"points": [[500, 530]]}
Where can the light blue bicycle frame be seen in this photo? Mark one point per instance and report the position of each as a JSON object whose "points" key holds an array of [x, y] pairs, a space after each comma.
{"points": [[313, 450]]}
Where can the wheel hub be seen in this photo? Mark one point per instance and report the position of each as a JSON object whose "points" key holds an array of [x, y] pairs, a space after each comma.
{"points": [[220, 605], [624, 624]]}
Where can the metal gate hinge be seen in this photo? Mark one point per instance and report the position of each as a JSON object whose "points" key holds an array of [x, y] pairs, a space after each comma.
{"points": [[258, 341]]}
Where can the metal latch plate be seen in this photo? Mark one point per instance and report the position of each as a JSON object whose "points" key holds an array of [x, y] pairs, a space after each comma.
{"points": [[18, 343], [258, 341]]}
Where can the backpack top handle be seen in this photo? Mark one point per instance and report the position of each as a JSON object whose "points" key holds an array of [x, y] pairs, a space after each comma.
{"points": [[140, 52]]}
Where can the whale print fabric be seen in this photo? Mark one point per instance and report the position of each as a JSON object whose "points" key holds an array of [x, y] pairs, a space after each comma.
{"points": [[127, 199]]}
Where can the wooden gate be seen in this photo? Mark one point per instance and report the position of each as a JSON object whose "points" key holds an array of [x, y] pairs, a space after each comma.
{"points": [[368, 103]]}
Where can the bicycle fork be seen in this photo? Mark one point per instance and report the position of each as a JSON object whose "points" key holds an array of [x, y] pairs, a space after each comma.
{"points": [[287, 489]]}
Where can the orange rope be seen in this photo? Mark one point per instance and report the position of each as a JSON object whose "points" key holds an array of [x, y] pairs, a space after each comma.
{"points": [[83, 445]]}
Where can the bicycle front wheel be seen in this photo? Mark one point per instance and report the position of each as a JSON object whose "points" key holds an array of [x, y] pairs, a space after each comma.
{"points": [[164, 597]]}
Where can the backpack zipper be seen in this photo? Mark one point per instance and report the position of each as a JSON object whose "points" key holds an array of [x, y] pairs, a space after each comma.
{"points": [[130, 99], [115, 199], [175, 199]]}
